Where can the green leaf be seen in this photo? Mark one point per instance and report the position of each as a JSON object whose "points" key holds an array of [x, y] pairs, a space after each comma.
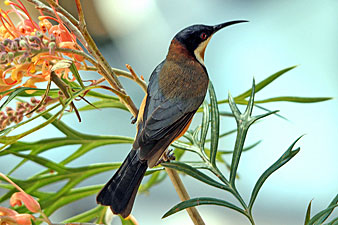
{"points": [[43, 162], [294, 99], [288, 154], [101, 96], [104, 104], [325, 216], [86, 216], [184, 146], [205, 124], [75, 72], [154, 179], [37, 92], [71, 196], [308, 214], [13, 94], [227, 114], [214, 118], [322, 213], [261, 84], [189, 170], [222, 152], [224, 134], [61, 126], [201, 201], [243, 123], [333, 222]]}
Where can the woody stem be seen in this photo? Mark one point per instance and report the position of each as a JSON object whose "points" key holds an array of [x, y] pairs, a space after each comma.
{"points": [[183, 194]]}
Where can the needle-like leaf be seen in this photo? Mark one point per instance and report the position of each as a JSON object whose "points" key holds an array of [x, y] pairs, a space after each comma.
{"points": [[201, 201], [214, 119], [288, 154], [205, 123], [189, 170], [322, 219]]}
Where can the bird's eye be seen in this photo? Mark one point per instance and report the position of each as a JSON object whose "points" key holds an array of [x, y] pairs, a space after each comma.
{"points": [[204, 36]]}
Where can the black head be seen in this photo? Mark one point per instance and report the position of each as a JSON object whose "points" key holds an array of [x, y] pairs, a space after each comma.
{"points": [[196, 37]]}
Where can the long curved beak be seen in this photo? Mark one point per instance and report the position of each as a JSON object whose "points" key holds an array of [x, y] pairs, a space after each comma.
{"points": [[226, 24]]}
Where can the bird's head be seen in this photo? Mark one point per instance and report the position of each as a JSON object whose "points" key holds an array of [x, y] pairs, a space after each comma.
{"points": [[195, 38]]}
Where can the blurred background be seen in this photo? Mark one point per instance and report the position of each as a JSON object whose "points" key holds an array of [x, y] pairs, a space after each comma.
{"points": [[280, 34]]}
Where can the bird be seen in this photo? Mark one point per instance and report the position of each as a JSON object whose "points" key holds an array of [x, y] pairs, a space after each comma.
{"points": [[176, 89]]}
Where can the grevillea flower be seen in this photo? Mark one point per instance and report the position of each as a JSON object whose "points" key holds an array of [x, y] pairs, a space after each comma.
{"points": [[21, 197], [23, 109], [28, 50], [9, 216]]}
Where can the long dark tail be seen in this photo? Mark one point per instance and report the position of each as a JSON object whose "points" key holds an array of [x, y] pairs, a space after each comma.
{"points": [[119, 193]]}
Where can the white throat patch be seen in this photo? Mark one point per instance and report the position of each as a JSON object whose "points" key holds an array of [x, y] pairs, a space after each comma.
{"points": [[200, 50]]}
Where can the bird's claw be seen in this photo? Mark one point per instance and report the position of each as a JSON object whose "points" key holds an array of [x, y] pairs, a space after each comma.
{"points": [[167, 157], [133, 121]]}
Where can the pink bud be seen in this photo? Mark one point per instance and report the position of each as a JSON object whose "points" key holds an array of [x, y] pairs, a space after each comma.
{"points": [[21, 197], [23, 219], [7, 212]]}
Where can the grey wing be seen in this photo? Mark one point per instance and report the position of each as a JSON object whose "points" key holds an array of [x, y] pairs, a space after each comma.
{"points": [[163, 120]]}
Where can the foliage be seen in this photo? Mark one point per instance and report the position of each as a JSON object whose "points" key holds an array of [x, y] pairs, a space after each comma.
{"points": [[68, 58]]}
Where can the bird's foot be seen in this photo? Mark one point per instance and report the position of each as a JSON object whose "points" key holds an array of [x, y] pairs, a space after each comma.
{"points": [[167, 157], [134, 120]]}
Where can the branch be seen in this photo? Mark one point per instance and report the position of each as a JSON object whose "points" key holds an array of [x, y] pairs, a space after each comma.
{"points": [[183, 194], [137, 79]]}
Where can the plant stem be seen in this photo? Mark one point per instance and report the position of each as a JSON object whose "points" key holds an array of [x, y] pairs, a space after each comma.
{"points": [[103, 66], [183, 194], [242, 131]]}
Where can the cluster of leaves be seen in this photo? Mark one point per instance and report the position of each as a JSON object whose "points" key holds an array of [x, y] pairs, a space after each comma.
{"points": [[323, 215], [197, 143]]}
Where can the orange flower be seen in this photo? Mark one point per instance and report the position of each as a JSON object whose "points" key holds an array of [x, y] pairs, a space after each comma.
{"points": [[8, 217], [7, 212], [28, 50], [21, 197]]}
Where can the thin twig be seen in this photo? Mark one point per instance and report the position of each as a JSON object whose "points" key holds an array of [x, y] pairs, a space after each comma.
{"points": [[44, 96], [93, 49], [82, 22], [64, 12], [65, 89], [121, 73], [103, 66], [183, 194], [137, 79]]}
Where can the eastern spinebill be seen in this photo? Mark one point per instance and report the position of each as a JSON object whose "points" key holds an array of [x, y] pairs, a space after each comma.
{"points": [[177, 87]]}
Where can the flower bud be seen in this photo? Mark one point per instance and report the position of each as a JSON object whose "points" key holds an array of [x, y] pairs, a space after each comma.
{"points": [[51, 47], [24, 219], [23, 44], [45, 42], [21, 197], [3, 57], [10, 56], [7, 41], [52, 37], [7, 212]]}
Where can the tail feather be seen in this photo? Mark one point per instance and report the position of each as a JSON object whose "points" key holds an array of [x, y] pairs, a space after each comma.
{"points": [[120, 191]]}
